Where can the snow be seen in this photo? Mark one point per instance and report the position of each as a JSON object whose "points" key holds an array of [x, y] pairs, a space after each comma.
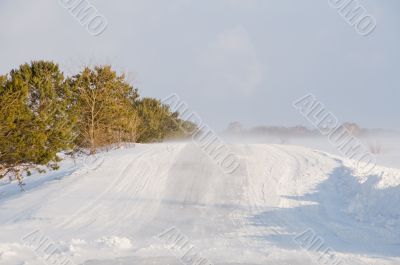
{"points": [[111, 209]]}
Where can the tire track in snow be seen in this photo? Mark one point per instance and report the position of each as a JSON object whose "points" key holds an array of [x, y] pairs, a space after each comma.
{"points": [[154, 177], [89, 207]]}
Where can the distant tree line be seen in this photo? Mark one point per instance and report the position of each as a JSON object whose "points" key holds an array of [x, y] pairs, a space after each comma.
{"points": [[43, 112], [237, 129]]}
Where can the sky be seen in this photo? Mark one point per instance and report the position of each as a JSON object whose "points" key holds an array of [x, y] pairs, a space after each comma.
{"points": [[229, 60]]}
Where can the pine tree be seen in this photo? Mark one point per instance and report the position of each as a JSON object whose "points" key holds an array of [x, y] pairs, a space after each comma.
{"points": [[158, 122], [36, 121], [42, 114], [105, 106]]}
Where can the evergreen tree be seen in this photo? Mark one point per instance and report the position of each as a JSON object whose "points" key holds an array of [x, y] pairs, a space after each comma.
{"points": [[105, 105], [158, 122], [42, 114], [36, 121]]}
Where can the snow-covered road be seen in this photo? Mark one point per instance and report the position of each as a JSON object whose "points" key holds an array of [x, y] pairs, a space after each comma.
{"points": [[283, 205]]}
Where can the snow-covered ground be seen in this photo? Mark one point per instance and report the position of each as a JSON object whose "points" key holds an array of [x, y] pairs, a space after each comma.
{"points": [[165, 203]]}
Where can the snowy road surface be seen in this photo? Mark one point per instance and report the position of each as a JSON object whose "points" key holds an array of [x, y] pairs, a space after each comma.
{"points": [[170, 204]]}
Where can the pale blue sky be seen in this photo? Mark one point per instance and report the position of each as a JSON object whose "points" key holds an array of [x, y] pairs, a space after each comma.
{"points": [[230, 60]]}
